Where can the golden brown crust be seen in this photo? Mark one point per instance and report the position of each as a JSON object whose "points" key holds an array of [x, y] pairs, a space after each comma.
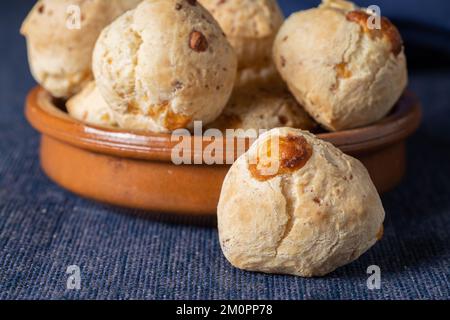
{"points": [[344, 75], [306, 222], [293, 152], [262, 106], [89, 106], [388, 30], [250, 26], [60, 58], [164, 75]]}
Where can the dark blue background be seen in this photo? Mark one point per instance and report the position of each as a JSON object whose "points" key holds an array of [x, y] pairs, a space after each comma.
{"points": [[128, 254]]}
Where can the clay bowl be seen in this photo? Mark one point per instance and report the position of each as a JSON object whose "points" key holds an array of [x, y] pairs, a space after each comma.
{"points": [[134, 169]]}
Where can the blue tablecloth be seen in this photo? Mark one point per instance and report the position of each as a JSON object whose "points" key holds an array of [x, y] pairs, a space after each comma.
{"points": [[126, 254]]}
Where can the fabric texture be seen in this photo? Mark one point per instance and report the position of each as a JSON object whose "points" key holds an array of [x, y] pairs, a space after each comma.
{"points": [[126, 254]]}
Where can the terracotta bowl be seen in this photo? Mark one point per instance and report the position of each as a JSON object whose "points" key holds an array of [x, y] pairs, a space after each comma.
{"points": [[134, 169]]}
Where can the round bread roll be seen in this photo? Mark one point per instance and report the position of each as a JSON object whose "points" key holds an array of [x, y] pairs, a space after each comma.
{"points": [[250, 26], [262, 108], [164, 65], [304, 208], [345, 73], [60, 55], [89, 106]]}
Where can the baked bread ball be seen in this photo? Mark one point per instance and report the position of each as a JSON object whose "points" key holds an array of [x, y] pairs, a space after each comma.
{"points": [[89, 106], [304, 208], [262, 108], [60, 57], [344, 73], [164, 65], [250, 26], [267, 77]]}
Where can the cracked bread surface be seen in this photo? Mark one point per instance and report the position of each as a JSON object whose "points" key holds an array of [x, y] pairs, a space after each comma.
{"points": [[164, 65], [60, 58], [250, 26], [344, 74], [306, 221]]}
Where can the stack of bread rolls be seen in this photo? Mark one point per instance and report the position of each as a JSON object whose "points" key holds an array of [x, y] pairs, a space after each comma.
{"points": [[60, 47], [160, 66], [230, 64]]}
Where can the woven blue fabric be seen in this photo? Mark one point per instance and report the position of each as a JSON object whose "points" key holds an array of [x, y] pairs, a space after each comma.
{"points": [[127, 254]]}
